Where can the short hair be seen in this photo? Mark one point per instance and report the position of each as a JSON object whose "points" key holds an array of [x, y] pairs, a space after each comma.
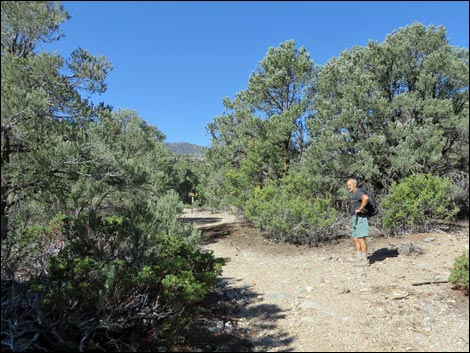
{"points": [[352, 180]]}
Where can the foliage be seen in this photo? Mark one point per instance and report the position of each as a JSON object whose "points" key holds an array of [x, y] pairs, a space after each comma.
{"points": [[188, 174], [100, 295], [262, 132], [41, 18], [163, 219], [90, 196], [114, 270], [212, 189], [416, 202], [282, 88], [26, 251], [378, 113], [390, 110], [42, 110], [459, 273], [289, 216], [263, 128], [231, 134]]}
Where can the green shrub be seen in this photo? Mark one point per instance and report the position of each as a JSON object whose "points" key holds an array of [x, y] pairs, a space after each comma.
{"points": [[417, 202], [163, 220], [26, 250], [459, 273], [119, 299], [288, 216]]}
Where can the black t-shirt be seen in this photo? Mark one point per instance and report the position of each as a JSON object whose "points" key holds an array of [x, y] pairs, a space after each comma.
{"points": [[356, 201]]}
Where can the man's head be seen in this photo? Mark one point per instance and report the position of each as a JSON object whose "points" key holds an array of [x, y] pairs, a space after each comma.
{"points": [[352, 185]]}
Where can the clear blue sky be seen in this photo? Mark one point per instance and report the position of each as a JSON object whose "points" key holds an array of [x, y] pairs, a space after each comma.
{"points": [[175, 61]]}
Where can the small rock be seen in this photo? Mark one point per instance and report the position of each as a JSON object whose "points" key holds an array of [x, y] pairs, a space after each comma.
{"points": [[409, 249], [310, 305], [399, 295]]}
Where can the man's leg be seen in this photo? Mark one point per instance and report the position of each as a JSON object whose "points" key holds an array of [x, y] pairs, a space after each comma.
{"points": [[362, 247], [357, 246], [362, 233], [362, 255], [356, 243]]}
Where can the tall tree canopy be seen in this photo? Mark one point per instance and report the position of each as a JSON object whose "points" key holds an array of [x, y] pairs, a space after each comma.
{"points": [[263, 130], [42, 110], [392, 109], [379, 113], [283, 86]]}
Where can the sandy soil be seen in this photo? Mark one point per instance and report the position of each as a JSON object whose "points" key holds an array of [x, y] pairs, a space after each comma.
{"points": [[278, 297]]}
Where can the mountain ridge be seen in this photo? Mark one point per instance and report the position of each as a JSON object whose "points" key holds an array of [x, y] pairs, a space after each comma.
{"points": [[185, 148]]}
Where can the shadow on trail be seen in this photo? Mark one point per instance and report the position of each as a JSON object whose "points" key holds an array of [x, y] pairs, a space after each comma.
{"points": [[382, 254], [238, 322], [211, 234], [200, 220], [236, 317]]}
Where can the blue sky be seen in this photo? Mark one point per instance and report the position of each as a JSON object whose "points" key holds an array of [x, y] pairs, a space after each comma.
{"points": [[175, 61]]}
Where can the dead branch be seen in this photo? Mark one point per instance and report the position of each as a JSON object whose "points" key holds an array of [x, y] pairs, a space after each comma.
{"points": [[429, 282]]}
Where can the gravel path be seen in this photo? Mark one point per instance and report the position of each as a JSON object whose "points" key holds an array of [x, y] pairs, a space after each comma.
{"points": [[292, 298]]}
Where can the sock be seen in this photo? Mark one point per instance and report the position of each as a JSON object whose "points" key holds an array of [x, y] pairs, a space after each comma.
{"points": [[364, 256], [358, 254]]}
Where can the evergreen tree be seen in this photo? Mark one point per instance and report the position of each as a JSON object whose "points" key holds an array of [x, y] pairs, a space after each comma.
{"points": [[88, 217], [42, 110], [263, 131], [390, 110]]}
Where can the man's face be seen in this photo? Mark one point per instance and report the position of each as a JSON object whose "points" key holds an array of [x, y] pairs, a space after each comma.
{"points": [[351, 186]]}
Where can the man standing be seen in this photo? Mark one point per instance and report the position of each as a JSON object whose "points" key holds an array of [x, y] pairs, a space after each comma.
{"points": [[360, 224]]}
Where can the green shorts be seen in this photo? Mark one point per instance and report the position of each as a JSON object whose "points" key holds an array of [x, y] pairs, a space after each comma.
{"points": [[360, 227]]}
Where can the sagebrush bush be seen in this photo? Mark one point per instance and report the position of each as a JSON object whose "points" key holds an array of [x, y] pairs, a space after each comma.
{"points": [[289, 217], [459, 273], [417, 202]]}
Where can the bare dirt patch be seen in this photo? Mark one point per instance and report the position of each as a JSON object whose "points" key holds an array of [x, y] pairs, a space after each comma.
{"points": [[281, 297]]}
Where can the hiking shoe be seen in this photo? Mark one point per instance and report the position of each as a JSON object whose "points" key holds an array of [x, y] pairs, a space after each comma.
{"points": [[361, 263]]}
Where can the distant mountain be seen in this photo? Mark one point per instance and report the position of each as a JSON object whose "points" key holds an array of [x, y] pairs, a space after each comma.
{"points": [[186, 149]]}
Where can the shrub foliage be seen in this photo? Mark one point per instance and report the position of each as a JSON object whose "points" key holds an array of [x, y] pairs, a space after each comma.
{"points": [[459, 273], [417, 202]]}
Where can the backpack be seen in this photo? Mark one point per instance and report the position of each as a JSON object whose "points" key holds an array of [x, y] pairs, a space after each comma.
{"points": [[371, 208]]}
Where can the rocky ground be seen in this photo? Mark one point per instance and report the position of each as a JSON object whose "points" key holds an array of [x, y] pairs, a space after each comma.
{"points": [[278, 297]]}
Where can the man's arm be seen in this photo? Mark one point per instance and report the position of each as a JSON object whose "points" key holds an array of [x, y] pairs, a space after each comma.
{"points": [[364, 201]]}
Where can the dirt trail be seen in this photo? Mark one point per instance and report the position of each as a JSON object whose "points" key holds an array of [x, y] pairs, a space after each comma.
{"points": [[292, 298]]}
